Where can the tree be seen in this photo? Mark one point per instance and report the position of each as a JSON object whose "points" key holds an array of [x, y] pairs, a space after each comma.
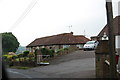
{"points": [[9, 42]]}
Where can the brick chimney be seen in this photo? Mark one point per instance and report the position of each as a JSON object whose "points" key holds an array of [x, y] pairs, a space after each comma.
{"points": [[71, 32]]}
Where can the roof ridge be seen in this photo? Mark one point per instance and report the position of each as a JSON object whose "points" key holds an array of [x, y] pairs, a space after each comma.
{"points": [[53, 35], [79, 35]]}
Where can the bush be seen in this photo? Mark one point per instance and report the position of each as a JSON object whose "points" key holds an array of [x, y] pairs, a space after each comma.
{"points": [[9, 57], [51, 52], [14, 56], [65, 48], [5, 57], [10, 63], [31, 55], [60, 50], [25, 53], [20, 55], [44, 51], [47, 52]]}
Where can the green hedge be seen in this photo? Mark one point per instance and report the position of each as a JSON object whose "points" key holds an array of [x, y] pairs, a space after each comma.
{"points": [[60, 50], [47, 52], [25, 53], [20, 55], [4, 57], [14, 56]]}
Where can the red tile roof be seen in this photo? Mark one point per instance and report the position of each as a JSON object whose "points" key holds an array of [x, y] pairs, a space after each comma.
{"points": [[116, 24], [60, 39], [81, 39]]}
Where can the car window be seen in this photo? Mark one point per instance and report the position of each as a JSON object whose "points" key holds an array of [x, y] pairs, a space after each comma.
{"points": [[90, 42]]}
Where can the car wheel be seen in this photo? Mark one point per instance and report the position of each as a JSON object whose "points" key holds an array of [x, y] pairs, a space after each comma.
{"points": [[84, 49]]}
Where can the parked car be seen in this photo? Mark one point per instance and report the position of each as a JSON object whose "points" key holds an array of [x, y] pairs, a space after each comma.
{"points": [[90, 45]]}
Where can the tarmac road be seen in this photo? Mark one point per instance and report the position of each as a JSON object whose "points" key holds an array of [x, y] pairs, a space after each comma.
{"points": [[79, 64]]}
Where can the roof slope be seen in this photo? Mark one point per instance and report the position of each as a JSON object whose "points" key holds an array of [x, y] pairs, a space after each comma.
{"points": [[81, 39], [116, 24], [60, 39]]}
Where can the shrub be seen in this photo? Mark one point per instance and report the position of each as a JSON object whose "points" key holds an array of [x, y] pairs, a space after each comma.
{"points": [[65, 48], [10, 63], [44, 51], [47, 52], [25, 53], [51, 52], [9, 57], [5, 57], [60, 50], [20, 55], [14, 56], [31, 55]]}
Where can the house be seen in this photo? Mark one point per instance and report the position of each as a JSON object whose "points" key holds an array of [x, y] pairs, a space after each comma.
{"points": [[81, 41], [55, 42], [95, 38], [104, 33]]}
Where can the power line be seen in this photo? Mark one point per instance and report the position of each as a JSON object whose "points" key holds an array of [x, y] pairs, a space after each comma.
{"points": [[24, 14]]}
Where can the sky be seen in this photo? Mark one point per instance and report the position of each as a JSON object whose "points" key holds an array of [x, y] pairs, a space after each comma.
{"points": [[31, 19]]}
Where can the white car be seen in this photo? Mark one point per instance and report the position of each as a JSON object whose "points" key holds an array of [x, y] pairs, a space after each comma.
{"points": [[90, 45]]}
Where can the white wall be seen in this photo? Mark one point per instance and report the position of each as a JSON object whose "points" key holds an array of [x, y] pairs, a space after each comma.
{"points": [[66, 46], [117, 41], [80, 46]]}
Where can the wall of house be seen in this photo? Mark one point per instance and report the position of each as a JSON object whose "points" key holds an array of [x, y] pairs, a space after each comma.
{"points": [[32, 49], [80, 46], [66, 46]]}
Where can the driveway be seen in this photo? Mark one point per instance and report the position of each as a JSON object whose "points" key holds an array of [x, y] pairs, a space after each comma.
{"points": [[79, 64]]}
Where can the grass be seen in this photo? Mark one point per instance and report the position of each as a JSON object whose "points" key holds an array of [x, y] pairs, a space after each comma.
{"points": [[20, 67]]}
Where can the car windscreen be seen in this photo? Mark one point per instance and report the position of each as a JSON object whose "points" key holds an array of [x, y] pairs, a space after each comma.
{"points": [[90, 42]]}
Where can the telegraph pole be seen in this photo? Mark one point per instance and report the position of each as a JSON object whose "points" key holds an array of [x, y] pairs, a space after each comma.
{"points": [[111, 37], [0, 55]]}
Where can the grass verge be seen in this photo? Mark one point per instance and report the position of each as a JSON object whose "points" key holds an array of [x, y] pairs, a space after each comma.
{"points": [[20, 67]]}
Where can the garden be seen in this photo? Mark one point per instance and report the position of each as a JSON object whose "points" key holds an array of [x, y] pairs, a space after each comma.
{"points": [[29, 59]]}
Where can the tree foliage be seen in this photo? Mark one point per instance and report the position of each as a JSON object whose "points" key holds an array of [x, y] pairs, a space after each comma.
{"points": [[9, 42]]}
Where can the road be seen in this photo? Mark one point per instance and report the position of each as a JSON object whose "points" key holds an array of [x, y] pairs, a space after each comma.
{"points": [[79, 64]]}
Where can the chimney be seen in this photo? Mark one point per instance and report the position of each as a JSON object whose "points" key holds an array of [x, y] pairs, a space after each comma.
{"points": [[71, 32]]}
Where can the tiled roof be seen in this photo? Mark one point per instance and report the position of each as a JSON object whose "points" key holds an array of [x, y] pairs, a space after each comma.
{"points": [[116, 24], [60, 39], [81, 39]]}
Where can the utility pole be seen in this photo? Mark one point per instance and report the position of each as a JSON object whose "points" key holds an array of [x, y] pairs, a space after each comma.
{"points": [[0, 55], [111, 37]]}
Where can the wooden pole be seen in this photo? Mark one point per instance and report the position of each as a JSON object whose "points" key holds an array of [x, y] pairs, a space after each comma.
{"points": [[111, 36], [0, 55]]}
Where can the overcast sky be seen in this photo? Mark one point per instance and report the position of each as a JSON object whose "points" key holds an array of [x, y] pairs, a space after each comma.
{"points": [[31, 19]]}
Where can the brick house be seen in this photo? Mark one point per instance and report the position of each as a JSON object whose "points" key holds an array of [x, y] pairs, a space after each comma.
{"points": [[58, 41], [104, 31]]}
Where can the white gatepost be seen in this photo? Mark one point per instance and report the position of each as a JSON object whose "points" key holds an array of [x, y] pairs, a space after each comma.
{"points": [[38, 59]]}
